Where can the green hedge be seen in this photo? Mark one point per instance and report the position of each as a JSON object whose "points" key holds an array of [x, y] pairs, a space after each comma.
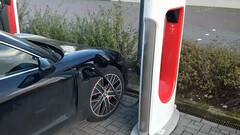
{"points": [[104, 29], [209, 74]]}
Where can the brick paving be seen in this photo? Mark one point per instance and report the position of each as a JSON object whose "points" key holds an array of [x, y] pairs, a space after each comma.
{"points": [[124, 119], [211, 36]]}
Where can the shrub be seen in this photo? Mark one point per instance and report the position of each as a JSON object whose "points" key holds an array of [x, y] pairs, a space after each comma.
{"points": [[48, 24], [22, 14], [105, 29], [210, 72]]}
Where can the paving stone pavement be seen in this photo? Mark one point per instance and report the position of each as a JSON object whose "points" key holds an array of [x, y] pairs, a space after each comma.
{"points": [[208, 36], [124, 119]]}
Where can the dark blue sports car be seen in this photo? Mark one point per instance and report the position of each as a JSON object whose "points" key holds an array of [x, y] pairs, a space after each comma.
{"points": [[44, 82]]}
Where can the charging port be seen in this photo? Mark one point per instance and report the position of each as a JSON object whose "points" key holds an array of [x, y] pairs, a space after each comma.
{"points": [[173, 16]]}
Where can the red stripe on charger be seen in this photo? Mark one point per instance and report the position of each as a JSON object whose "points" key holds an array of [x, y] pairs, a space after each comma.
{"points": [[12, 18], [170, 57]]}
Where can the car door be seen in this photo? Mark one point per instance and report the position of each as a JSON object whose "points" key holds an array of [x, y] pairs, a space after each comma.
{"points": [[31, 103]]}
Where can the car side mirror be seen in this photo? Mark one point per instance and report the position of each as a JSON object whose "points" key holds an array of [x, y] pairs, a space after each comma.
{"points": [[46, 66]]}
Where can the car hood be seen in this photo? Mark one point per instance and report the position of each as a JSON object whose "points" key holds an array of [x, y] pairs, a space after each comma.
{"points": [[66, 48], [69, 48]]}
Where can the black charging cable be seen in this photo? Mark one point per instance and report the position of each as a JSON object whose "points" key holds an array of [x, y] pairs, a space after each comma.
{"points": [[114, 90]]}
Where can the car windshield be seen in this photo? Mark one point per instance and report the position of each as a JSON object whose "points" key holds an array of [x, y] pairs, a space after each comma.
{"points": [[50, 50], [23, 41]]}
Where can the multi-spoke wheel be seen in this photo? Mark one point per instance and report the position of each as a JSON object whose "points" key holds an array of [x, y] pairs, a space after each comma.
{"points": [[103, 101]]}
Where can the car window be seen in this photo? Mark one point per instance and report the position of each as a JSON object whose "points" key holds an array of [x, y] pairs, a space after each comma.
{"points": [[13, 61]]}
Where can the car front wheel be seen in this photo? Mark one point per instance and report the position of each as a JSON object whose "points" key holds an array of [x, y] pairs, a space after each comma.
{"points": [[103, 101]]}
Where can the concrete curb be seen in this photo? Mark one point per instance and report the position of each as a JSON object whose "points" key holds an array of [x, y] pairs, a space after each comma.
{"points": [[205, 3], [207, 111]]}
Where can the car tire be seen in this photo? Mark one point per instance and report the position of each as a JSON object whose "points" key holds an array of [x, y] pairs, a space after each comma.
{"points": [[102, 102]]}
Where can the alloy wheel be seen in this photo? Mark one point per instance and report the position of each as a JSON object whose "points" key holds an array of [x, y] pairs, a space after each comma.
{"points": [[103, 100]]}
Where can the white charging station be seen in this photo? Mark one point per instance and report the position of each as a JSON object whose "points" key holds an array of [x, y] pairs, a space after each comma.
{"points": [[162, 36]]}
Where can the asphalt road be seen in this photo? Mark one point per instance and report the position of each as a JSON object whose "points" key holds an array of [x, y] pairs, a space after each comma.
{"points": [[202, 24]]}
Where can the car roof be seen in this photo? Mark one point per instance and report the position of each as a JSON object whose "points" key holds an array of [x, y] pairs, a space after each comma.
{"points": [[25, 45]]}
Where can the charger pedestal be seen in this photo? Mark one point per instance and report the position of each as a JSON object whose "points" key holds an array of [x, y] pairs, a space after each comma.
{"points": [[162, 37], [167, 129]]}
